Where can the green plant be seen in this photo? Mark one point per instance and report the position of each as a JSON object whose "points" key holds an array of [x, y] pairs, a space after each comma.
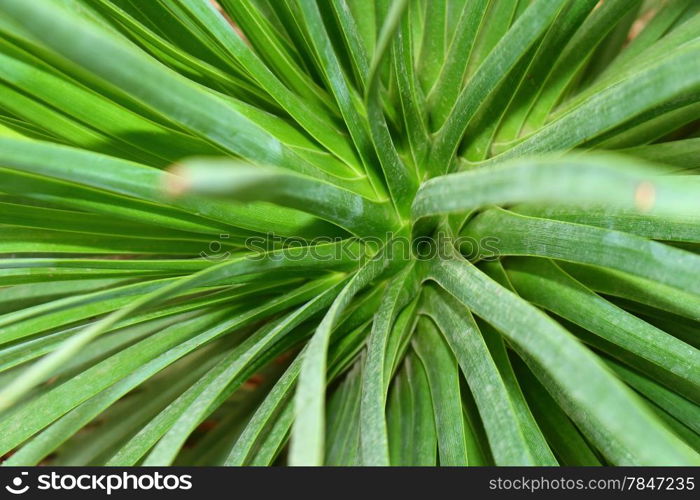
{"points": [[138, 324]]}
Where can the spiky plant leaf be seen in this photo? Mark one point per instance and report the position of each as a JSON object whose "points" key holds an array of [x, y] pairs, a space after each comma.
{"points": [[346, 232]]}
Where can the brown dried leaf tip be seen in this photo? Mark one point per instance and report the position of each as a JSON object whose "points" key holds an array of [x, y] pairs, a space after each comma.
{"points": [[645, 196]]}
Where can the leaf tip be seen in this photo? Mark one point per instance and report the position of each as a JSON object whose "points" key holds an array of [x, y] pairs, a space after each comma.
{"points": [[645, 196], [176, 181]]}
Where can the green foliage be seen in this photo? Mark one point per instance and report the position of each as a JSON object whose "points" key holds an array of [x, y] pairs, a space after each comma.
{"points": [[213, 217]]}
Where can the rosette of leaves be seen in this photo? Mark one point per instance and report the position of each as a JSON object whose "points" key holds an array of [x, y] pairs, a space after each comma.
{"points": [[215, 218]]}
